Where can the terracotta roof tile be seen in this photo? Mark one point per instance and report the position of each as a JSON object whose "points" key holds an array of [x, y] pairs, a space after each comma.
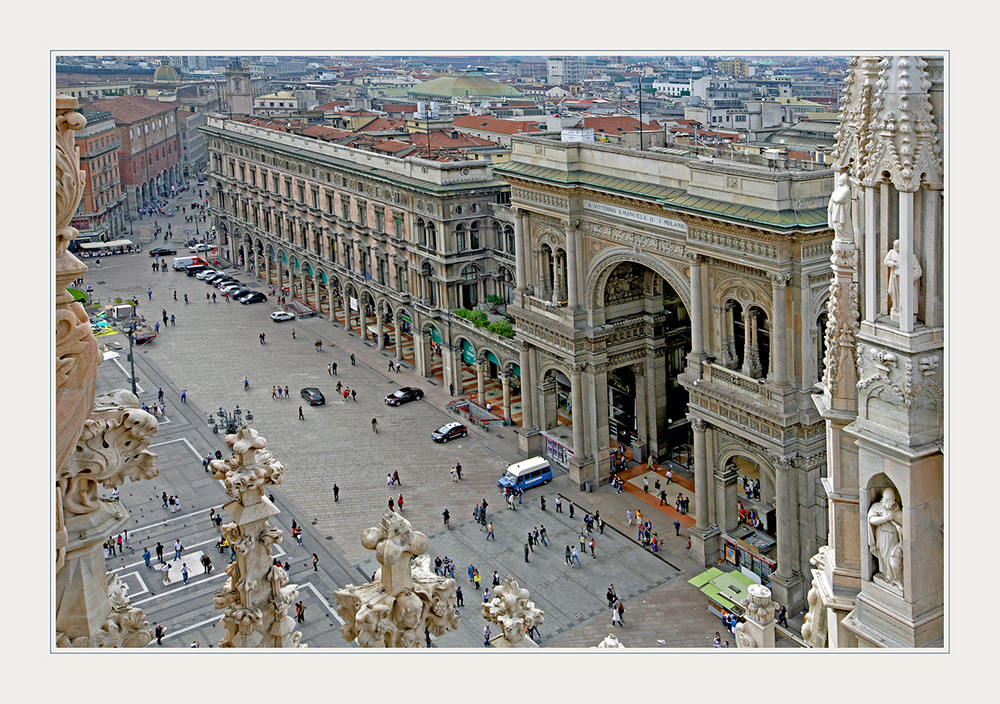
{"points": [[132, 108], [494, 125]]}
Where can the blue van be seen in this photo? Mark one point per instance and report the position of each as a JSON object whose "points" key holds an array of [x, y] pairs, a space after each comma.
{"points": [[526, 474]]}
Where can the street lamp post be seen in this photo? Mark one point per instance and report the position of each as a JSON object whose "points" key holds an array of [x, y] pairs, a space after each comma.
{"points": [[129, 329]]}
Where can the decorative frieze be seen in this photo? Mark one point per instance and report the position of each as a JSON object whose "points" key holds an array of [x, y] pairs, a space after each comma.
{"points": [[534, 196], [637, 240], [734, 243]]}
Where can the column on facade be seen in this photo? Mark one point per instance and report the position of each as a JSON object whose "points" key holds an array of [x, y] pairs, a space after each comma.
{"points": [[701, 485], [505, 385], [379, 322], [579, 411], [907, 300], [419, 363], [779, 354], [782, 499], [697, 314], [527, 387], [481, 381], [519, 253], [399, 338], [572, 257], [556, 277], [316, 290]]}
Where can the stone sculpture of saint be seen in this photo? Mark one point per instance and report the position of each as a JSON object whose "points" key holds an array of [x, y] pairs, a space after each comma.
{"points": [[892, 261], [838, 211], [885, 537]]}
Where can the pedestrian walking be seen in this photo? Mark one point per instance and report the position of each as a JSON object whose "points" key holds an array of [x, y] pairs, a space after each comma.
{"points": [[354, 395], [333, 368], [159, 631], [315, 561], [645, 485], [476, 579], [184, 572], [531, 541], [621, 612], [336, 493], [616, 618], [166, 572], [446, 516], [159, 552], [185, 298], [576, 555], [489, 531], [298, 536], [783, 617], [145, 557], [149, 294], [571, 508], [274, 392], [352, 359], [184, 396], [543, 536], [177, 549], [486, 636], [388, 479], [391, 504], [592, 545], [395, 478], [218, 522], [375, 426], [526, 552], [329, 369], [612, 596], [677, 527], [399, 502], [301, 415], [293, 333], [459, 599], [173, 321], [558, 505], [246, 383], [458, 470]]}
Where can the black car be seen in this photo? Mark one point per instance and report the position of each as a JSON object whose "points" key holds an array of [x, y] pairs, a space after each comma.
{"points": [[404, 395], [222, 280], [161, 252], [449, 431], [254, 297], [313, 395], [195, 270]]}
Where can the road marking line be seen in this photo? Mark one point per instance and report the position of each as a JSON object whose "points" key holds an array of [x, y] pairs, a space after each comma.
{"points": [[138, 386], [180, 588], [188, 628], [309, 585]]}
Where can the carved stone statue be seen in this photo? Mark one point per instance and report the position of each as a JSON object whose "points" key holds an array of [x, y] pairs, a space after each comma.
{"points": [[814, 623], [406, 597], [838, 211], [892, 262], [885, 538], [257, 594], [511, 610]]}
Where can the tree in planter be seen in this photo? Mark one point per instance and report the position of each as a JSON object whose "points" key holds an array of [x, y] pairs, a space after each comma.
{"points": [[479, 318]]}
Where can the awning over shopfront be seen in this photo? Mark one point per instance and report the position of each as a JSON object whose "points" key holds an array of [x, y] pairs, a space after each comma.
{"points": [[723, 589]]}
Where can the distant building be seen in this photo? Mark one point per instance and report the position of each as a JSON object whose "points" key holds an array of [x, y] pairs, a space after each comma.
{"points": [[103, 200], [150, 155], [281, 102], [193, 155], [564, 69], [738, 68]]}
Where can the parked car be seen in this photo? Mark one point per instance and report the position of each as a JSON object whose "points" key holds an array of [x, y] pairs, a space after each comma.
{"points": [[200, 247], [205, 273], [253, 297], [238, 293], [279, 315], [215, 276], [223, 280], [449, 431], [232, 287], [161, 252], [195, 270], [404, 395], [313, 395]]}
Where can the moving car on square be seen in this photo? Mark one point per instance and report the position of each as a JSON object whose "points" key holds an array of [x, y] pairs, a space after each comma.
{"points": [[404, 395], [449, 431], [313, 395]]}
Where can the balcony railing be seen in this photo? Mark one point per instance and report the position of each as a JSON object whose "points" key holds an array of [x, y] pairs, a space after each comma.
{"points": [[715, 374]]}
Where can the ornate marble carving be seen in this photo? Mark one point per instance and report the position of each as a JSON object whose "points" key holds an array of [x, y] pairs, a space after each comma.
{"points": [[513, 612], [257, 594], [610, 642], [535, 196], [904, 140], [814, 623], [885, 539], [125, 627], [854, 137], [880, 369], [405, 598], [758, 629]]}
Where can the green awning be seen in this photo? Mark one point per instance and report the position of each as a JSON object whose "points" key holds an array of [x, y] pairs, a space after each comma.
{"points": [[727, 589], [435, 335]]}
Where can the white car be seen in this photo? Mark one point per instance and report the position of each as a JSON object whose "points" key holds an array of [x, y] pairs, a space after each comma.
{"points": [[201, 247], [204, 274], [229, 288], [279, 315]]}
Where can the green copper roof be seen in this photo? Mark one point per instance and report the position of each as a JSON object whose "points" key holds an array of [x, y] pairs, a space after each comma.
{"points": [[462, 85], [669, 197]]}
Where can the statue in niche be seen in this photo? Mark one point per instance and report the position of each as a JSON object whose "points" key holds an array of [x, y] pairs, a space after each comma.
{"points": [[892, 262], [838, 211], [885, 538], [625, 284]]}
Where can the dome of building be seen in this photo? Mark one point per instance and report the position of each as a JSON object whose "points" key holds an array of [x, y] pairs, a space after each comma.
{"points": [[461, 85], [166, 74]]}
